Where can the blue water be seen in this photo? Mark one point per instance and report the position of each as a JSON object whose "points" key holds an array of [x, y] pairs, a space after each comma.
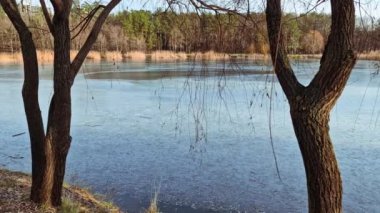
{"points": [[201, 143]]}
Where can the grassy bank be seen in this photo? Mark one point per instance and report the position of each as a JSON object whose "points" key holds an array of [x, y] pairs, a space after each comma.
{"points": [[14, 197], [47, 56], [372, 56]]}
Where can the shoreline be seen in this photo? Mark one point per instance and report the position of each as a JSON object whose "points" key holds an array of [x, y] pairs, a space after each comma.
{"points": [[47, 56]]}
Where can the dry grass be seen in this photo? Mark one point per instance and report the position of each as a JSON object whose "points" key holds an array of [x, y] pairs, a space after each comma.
{"points": [[47, 56], [14, 197], [9, 58], [372, 55], [167, 56], [135, 56], [209, 56], [112, 56], [153, 206], [94, 55], [43, 56]]}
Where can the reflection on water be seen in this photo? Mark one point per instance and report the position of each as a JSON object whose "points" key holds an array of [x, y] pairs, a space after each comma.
{"points": [[202, 143]]}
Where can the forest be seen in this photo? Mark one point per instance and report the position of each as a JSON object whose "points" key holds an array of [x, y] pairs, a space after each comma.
{"points": [[141, 30]]}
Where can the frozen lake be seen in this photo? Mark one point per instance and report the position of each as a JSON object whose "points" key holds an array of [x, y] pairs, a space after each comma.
{"points": [[200, 139]]}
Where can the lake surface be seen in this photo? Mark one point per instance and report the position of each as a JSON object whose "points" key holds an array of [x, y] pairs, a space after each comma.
{"points": [[200, 139]]}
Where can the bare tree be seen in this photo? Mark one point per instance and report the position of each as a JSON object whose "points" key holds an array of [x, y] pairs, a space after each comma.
{"points": [[312, 42], [310, 105], [49, 150]]}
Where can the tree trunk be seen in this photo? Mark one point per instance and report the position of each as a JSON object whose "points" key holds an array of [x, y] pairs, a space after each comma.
{"points": [[324, 183], [57, 140], [49, 152], [310, 105], [30, 99], [59, 121]]}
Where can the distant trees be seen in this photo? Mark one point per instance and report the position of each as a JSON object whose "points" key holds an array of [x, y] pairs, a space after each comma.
{"points": [[367, 37], [8, 35], [167, 30], [139, 26], [312, 42], [292, 34]]}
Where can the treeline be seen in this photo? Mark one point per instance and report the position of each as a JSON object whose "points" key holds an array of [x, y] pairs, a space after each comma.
{"points": [[188, 32]]}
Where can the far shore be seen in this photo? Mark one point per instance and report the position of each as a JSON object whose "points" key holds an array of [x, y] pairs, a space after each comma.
{"points": [[47, 56]]}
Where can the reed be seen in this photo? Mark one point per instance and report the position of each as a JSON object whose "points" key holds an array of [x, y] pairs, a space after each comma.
{"points": [[135, 56], [371, 55], [43, 56], [153, 206], [10, 58], [167, 56], [47, 56], [112, 56]]}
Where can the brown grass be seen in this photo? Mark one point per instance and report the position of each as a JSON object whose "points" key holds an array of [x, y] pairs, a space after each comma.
{"points": [[47, 56], [112, 56], [135, 56], [167, 56], [153, 206], [9, 58], [209, 56], [14, 197], [94, 56], [372, 55]]}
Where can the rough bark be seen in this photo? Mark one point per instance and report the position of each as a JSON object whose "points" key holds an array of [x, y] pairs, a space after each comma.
{"points": [[49, 152], [310, 105], [30, 97], [59, 119], [324, 183]]}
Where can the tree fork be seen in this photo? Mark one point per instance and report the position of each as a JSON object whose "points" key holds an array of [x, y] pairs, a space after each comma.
{"points": [[310, 106]]}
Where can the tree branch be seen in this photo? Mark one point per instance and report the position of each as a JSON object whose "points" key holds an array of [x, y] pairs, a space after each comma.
{"points": [[83, 24], [62, 8], [282, 67], [338, 58], [47, 16], [10, 8], [202, 5], [91, 39], [199, 4]]}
